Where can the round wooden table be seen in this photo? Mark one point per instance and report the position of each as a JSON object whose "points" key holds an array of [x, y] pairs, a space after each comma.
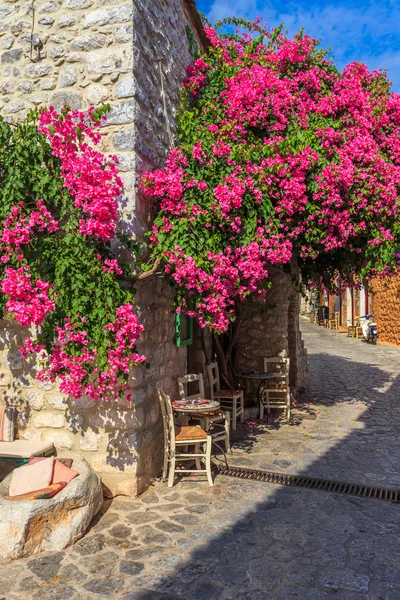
{"points": [[261, 376]]}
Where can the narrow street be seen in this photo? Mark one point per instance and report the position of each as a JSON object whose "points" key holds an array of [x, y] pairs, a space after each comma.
{"points": [[244, 540]]}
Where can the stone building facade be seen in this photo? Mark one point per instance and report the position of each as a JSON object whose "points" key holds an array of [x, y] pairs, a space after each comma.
{"points": [[385, 305], [94, 51], [126, 53]]}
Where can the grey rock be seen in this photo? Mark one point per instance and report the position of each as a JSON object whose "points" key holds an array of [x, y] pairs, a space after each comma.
{"points": [[130, 568], [108, 16], [103, 562], [86, 43], [69, 76], [11, 56], [6, 87], [76, 4], [104, 587], [38, 70], [149, 536], [123, 34], [70, 572], [125, 88], [66, 21], [344, 579], [90, 544], [195, 569], [107, 61], [169, 527], [139, 553], [142, 517], [125, 139], [49, 7], [57, 591], [46, 21], [72, 99], [57, 52], [25, 86], [46, 567], [120, 531]]}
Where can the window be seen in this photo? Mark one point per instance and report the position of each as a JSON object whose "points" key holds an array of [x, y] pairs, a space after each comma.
{"points": [[183, 329]]}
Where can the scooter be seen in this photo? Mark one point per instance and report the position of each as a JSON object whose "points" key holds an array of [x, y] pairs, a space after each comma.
{"points": [[369, 329]]}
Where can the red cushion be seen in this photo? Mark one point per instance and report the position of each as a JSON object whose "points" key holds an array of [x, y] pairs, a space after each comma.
{"points": [[62, 473]]}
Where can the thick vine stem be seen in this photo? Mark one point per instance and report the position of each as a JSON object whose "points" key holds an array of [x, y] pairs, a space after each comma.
{"points": [[152, 270]]}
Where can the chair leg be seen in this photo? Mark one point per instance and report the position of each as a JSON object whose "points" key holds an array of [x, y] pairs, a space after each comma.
{"points": [[261, 409], [208, 460], [165, 464], [234, 415], [197, 460], [242, 407], [227, 435], [171, 475]]}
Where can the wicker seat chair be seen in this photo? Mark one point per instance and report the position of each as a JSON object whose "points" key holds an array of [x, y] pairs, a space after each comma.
{"points": [[231, 400], [216, 424], [184, 437], [277, 394]]}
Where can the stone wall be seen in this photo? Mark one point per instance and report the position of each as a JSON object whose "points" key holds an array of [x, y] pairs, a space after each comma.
{"points": [[385, 305], [96, 51], [273, 330]]}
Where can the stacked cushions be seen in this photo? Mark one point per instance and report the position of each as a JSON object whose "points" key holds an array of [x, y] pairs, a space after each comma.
{"points": [[7, 424], [40, 478], [62, 469]]}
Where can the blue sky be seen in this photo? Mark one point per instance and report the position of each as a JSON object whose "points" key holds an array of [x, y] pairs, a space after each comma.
{"points": [[366, 30]]}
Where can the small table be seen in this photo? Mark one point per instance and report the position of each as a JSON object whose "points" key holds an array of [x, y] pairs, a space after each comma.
{"points": [[258, 376], [194, 407]]}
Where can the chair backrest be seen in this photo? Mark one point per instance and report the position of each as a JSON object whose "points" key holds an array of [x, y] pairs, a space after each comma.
{"points": [[213, 377], [168, 418], [279, 365], [183, 386]]}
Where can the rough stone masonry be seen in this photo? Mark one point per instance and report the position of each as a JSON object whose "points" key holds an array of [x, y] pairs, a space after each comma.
{"points": [[94, 51]]}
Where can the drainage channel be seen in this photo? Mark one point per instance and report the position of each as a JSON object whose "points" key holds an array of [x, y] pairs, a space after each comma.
{"points": [[312, 483]]}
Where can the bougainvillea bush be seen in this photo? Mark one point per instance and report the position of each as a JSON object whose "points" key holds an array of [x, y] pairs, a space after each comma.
{"points": [[281, 157], [58, 215]]}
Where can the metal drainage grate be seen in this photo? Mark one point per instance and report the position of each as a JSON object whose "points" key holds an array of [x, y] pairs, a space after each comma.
{"points": [[311, 483]]}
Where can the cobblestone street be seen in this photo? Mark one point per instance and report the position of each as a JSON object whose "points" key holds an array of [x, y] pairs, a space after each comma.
{"points": [[244, 540]]}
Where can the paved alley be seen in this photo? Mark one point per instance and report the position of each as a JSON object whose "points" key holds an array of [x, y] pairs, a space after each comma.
{"points": [[244, 540]]}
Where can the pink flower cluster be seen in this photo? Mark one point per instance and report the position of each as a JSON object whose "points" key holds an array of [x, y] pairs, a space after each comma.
{"points": [[28, 303], [234, 275], [18, 228], [287, 157], [91, 179], [75, 364], [84, 363]]}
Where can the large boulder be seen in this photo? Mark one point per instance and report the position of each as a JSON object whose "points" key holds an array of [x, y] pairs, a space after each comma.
{"points": [[33, 526]]}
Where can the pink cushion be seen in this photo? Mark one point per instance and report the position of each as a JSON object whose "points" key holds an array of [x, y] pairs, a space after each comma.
{"points": [[62, 473], [30, 478], [65, 461]]}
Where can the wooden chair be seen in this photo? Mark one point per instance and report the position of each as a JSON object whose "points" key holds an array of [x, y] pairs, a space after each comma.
{"points": [[232, 400], [355, 331], [175, 437], [337, 320], [332, 322], [277, 394], [216, 424]]}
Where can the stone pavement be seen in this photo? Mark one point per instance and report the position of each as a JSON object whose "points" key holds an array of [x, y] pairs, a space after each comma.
{"points": [[244, 540]]}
